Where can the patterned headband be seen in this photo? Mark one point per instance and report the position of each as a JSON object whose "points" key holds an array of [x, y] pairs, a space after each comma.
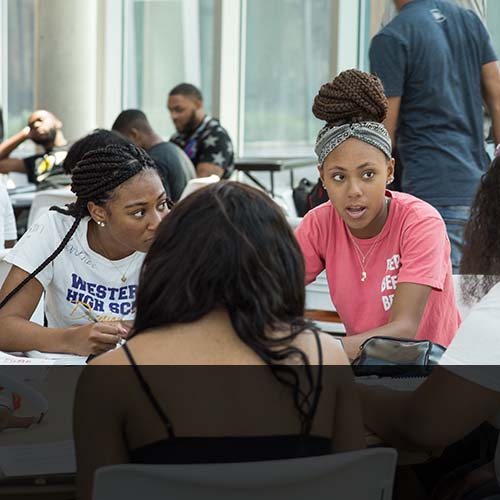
{"points": [[372, 133]]}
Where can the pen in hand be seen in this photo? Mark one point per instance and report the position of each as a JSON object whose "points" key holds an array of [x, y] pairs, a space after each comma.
{"points": [[93, 318], [88, 312]]}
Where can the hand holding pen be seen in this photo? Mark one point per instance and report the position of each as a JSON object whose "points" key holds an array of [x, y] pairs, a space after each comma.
{"points": [[97, 336]]}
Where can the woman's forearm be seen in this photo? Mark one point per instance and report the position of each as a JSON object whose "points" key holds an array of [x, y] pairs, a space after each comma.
{"points": [[398, 329], [20, 335]]}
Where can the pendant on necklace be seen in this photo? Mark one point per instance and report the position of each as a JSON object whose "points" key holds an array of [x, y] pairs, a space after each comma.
{"points": [[363, 276], [124, 279]]}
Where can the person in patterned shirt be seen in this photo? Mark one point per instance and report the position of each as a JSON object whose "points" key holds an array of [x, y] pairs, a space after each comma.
{"points": [[203, 139]]}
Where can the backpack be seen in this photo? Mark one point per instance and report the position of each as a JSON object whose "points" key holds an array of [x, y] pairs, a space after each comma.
{"points": [[317, 196], [308, 195], [301, 196]]}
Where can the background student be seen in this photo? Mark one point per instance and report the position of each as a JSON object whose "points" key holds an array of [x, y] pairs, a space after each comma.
{"points": [[170, 159]]}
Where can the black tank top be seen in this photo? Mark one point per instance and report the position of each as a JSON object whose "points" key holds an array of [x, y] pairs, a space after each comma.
{"points": [[191, 450]]}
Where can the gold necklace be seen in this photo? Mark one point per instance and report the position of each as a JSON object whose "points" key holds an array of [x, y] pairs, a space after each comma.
{"points": [[124, 273], [363, 257]]}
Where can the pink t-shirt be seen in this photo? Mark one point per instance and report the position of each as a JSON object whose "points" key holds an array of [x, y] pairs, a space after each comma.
{"points": [[413, 247]]}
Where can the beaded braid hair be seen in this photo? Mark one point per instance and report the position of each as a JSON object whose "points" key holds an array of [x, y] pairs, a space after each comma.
{"points": [[353, 96], [95, 178]]}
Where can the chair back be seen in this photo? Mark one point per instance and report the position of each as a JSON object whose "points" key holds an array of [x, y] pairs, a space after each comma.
{"points": [[197, 183], [363, 475], [43, 200], [38, 314]]}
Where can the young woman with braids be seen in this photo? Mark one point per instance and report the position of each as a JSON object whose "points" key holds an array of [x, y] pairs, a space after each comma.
{"points": [[85, 258], [386, 254], [222, 285]]}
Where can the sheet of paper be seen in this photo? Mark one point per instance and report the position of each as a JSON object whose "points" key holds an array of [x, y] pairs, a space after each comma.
{"points": [[9, 360], [38, 459], [57, 358]]}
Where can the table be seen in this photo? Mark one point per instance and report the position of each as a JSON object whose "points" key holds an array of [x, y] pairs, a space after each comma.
{"points": [[271, 165]]}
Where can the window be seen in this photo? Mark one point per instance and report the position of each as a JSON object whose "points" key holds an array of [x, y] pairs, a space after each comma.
{"points": [[18, 52], [166, 42], [287, 58]]}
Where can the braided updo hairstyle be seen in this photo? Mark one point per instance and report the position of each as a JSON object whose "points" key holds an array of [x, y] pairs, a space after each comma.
{"points": [[353, 96], [94, 178]]}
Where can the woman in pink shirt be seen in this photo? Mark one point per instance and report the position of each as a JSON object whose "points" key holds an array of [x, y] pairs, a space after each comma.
{"points": [[386, 254]]}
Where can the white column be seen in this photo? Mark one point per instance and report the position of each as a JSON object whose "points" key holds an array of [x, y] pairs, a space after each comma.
{"points": [[109, 62], [3, 62], [345, 35], [66, 62], [230, 93]]}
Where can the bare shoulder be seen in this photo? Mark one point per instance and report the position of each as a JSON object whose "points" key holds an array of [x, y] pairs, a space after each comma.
{"points": [[332, 350], [103, 379], [115, 357]]}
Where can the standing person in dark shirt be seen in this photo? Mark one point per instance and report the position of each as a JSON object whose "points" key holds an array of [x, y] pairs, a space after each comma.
{"points": [[437, 65], [169, 158], [45, 130], [202, 137]]}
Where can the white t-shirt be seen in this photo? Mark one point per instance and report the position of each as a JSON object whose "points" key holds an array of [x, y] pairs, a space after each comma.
{"points": [[476, 344], [77, 274], [8, 229]]}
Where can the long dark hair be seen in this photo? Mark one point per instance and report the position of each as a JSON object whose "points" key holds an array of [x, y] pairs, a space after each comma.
{"points": [[481, 253], [229, 245], [94, 178]]}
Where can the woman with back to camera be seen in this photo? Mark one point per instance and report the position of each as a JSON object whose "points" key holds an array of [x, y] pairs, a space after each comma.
{"points": [[86, 259], [386, 254], [468, 382], [222, 285]]}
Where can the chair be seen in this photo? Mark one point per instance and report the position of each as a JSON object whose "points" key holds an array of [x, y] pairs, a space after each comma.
{"points": [[197, 183], [43, 200], [294, 221], [285, 200], [38, 314], [363, 475]]}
